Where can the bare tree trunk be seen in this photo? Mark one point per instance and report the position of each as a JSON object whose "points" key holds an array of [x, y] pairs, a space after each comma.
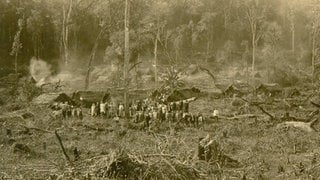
{"points": [[126, 57], [166, 40], [138, 58], [65, 30], [292, 38], [208, 49], [313, 54], [156, 54], [253, 53], [16, 62], [63, 38], [247, 71], [92, 56]]}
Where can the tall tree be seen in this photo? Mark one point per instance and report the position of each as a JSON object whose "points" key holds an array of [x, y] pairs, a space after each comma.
{"points": [[291, 17], [255, 14], [314, 15], [17, 45], [271, 37], [66, 20], [126, 55]]}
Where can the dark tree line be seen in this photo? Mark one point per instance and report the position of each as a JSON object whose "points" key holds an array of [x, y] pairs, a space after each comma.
{"points": [[250, 33]]}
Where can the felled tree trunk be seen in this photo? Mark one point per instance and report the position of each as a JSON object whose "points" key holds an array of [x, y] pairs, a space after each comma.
{"points": [[305, 126]]}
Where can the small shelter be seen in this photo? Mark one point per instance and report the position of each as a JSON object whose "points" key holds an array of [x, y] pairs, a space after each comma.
{"points": [[49, 98], [86, 98], [273, 89], [238, 89], [183, 94], [291, 92]]}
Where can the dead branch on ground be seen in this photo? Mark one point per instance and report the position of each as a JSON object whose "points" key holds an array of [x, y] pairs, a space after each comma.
{"points": [[272, 117], [35, 128], [96, 128], [207, 71], [315, 104], [62, 147]]}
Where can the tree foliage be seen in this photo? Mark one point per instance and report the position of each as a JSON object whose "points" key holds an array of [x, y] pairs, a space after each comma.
{"points": [[186, 31]]}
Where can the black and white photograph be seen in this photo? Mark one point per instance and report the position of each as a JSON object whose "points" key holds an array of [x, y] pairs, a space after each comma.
{"points": [[160, 89]]}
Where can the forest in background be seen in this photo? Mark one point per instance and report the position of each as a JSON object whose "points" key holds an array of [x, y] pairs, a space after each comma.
{"points": [[260, 34]]}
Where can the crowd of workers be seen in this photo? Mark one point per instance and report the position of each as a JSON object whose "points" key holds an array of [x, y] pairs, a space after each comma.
{"points": [[66, 110], [148, 111]]}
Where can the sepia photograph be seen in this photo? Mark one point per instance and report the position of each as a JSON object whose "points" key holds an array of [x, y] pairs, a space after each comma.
{"points": [[160, 89]]}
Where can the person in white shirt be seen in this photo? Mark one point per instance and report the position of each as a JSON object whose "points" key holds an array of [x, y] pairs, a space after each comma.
{"points": [[102, 108], [215, 114]]}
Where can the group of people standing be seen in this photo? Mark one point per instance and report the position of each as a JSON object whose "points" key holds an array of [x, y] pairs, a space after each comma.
{"points": [[149, 111], [67, 110], [172, 112], [107, 109]]}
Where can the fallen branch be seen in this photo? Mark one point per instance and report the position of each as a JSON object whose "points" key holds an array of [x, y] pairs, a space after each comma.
{"points": [[96, 128], [261, 108], [207, 71], [265, 112], [242, 116], [134, 65], [315, 104], [35, 128], [62, 147], [159, 155], [312, 114]]}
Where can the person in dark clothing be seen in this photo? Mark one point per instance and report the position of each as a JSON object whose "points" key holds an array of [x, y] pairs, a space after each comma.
{"points": [[69, 113], [139, 106], [76, 154], [64, 108], [147, 120], [201, 154], [181, 106], [79, 113], [186, 106]]}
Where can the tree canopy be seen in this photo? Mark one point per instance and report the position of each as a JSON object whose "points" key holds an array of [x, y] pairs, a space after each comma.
{"points": [[187, 31]]}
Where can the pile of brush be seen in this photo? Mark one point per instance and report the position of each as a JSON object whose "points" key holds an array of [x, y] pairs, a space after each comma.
{"points": [[123, 165], [154, 166]]}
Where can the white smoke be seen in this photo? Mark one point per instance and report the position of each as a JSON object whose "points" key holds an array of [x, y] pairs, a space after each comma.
{"points": [[40, 71]]}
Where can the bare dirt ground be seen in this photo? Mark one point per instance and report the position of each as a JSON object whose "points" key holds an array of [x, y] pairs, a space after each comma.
{"points": [[30, 149]]}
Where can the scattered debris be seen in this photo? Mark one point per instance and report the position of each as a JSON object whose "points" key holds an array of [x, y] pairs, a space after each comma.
{"points": [[210, 151], [21, 148], [27, 115], [130, 166]]}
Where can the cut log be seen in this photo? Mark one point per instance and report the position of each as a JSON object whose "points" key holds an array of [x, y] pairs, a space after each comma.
{"points": [[243, 116], [305, 126], [62, 147]]}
